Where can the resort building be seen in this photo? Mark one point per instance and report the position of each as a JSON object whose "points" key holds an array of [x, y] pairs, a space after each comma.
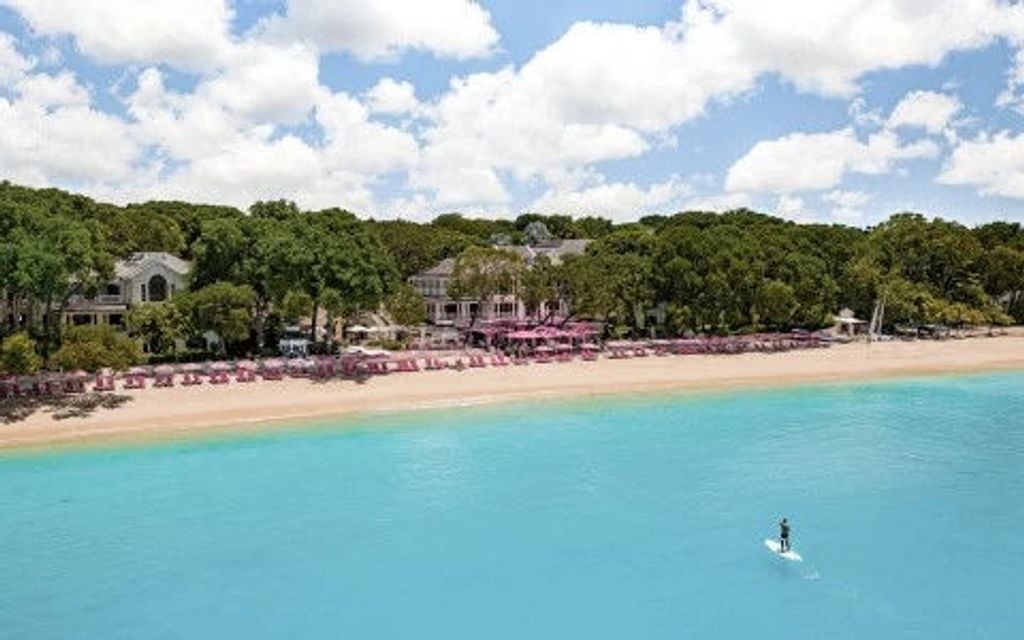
{"points": [[142, 278], [442, 309]]}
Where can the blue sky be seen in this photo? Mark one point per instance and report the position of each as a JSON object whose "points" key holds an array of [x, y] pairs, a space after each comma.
{"points": [[845, 111]]}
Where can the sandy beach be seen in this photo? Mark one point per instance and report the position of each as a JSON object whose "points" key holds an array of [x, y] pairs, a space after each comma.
{"points": [[160, 414]]}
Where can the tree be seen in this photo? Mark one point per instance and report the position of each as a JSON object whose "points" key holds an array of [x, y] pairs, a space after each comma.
{"points": [[776, 303], [481, 273], [94, 347], [222, 308], [158, 324], [18, 355], [296, 305], [407, 307]]}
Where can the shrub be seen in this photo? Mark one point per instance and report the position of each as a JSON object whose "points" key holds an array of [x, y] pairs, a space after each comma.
{"points": [[18, 355], [94, 347]]}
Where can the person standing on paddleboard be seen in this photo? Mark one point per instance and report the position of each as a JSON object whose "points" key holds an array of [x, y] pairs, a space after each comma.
{"points": [[783, 536]]}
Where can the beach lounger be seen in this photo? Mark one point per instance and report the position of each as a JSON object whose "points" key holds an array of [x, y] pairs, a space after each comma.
{"points": [[134, 382], [477, 361], [164, 381], [245, 375], [498, 360], [219, 377]]}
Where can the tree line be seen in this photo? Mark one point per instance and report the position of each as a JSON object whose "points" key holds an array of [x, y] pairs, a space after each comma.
{"points": [[256, 271]]}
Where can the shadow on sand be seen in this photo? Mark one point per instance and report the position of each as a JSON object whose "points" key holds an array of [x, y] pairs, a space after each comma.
{"points": [[13, 410]]}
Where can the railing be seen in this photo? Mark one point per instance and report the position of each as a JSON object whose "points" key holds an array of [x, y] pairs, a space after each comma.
{"points": [[80, 300]]}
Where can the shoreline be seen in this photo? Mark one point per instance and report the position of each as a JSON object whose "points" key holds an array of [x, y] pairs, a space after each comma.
{"points": [[180, 413]]}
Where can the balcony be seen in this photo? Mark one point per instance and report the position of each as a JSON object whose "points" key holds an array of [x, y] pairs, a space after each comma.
{"points": [[101, 300]]}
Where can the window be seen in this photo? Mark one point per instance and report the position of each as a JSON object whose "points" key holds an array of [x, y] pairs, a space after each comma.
{"points": [[113, 289], [143, 293], [157, 288]]}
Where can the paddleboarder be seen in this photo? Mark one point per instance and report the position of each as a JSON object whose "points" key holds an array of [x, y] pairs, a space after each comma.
{"points": [[783, 536]]}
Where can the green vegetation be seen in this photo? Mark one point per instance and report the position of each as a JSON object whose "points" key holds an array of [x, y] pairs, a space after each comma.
{"points": [[18, 355], [693, 271], [96, 347]]}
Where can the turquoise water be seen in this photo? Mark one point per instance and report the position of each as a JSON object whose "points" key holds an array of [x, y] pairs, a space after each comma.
{"points": [[630, 518]]}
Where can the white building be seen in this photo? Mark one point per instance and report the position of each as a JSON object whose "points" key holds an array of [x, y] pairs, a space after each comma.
{"points": [[142, 278], [433, 285]]}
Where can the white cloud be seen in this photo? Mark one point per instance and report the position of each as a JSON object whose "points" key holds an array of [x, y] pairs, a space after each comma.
{"points": [[815, 161], [826, 47], [392, 98], [265, 82], [847, 205], [790, 207], [994, 164], [617, 200], [355, 143], [373, 29], [928, 110], [190, 33], [13, 65], [68, 144], [719, 202], [47, 90]]}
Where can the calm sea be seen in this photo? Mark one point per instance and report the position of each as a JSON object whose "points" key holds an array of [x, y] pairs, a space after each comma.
{"points": [[641, 517]]}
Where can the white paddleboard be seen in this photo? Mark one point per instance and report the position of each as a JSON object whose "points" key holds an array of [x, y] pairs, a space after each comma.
{"points": [[773, 546]]}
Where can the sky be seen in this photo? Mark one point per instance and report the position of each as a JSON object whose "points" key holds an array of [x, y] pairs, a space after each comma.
{"points": [[843, 111]]}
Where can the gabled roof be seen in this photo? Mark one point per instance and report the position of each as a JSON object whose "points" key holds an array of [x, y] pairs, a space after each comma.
{"points": [[439, 270], [138, 262], [555, 252]]}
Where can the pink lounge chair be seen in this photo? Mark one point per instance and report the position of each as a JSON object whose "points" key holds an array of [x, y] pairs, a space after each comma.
{"points": [[477, 361], [134, 381], [245, 375], [164, 381], [191, 379], [589, 356], [104, 383], [73, 385], [499, 360], [640, 352], [219, 377]]}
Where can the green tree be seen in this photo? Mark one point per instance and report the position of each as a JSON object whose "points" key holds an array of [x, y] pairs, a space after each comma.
{"points": [[407, 307], [18, 355], [481, 273], [93, 347], [776, 303], [222, 308], [159, 325]]}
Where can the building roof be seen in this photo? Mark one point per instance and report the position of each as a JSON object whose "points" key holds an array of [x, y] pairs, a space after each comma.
{"points": [[554, 252], [138, 262], [441, 269]]}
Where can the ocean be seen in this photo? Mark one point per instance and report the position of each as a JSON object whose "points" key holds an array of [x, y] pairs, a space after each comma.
{"points": [[631, 517]]}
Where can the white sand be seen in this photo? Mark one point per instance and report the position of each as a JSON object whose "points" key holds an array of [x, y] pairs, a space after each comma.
{"points": [[154, 414]]}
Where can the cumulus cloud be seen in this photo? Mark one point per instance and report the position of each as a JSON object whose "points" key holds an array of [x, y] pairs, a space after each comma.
{"points": [[192, 34], [46, 90], [391, 97], [790, 207], [928, 110], [616, 200], [816, 161], [993, 164], [374, 29], [13, 65], [846, 205]]}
